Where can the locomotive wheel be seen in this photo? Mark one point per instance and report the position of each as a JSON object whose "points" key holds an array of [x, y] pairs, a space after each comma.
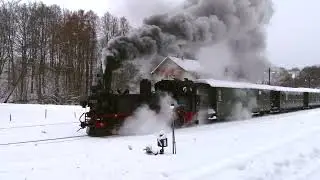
{"points": [[94, 132], [91, 131]]}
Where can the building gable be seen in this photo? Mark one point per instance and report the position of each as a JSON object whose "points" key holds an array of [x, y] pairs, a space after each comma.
{"points": [[173, 67]]}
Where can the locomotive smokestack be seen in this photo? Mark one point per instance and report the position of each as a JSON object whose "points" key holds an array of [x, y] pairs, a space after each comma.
{"points": [[111, 64]]}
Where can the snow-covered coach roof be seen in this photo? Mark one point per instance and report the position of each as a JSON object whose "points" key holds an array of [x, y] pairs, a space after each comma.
{"points": [[233, 84]]}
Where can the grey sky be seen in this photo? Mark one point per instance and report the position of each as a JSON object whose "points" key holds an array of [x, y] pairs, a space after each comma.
{"points": [[293, 35]]}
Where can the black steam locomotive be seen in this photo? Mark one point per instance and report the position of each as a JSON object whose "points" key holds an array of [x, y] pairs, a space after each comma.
{"points": [[108, 110]]}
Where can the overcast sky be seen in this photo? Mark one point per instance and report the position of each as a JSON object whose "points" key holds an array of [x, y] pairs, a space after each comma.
{"points": [[293, 35]]}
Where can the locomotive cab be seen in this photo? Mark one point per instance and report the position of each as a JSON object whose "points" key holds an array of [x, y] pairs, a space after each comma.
{"points": [[184, 93]]}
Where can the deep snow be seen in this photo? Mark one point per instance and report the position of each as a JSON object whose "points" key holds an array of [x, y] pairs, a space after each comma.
{"points": [[272, 147]]}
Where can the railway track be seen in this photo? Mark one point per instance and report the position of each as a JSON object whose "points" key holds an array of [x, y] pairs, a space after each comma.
{"points": [[45, 140], [37, 125]]}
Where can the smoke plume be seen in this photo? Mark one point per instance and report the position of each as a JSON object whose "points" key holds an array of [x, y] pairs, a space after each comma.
{"points": [[237, 24], [146, 7]]}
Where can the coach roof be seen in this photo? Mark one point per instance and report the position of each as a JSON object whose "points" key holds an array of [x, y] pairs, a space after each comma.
{"points": [[247, 85]]}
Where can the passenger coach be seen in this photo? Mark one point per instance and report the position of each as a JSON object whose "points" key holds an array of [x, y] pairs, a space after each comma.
{"points": [[227, 99]]}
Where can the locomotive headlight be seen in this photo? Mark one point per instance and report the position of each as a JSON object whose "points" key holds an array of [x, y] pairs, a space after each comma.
{"points": [[184, 89]]}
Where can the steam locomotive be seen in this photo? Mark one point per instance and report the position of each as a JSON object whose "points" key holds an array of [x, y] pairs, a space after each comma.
{"points": [[109, 110]]}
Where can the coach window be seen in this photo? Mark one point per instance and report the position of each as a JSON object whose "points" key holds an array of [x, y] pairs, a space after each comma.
{"points": [[219, 95], [260, 93]]}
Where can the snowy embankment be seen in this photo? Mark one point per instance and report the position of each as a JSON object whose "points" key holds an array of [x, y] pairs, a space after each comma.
{"points": [[22, 122], [272, 147]]}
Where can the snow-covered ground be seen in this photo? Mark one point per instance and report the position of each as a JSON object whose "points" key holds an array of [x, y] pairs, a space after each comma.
{"points": [[273, 147], [19, 123]]}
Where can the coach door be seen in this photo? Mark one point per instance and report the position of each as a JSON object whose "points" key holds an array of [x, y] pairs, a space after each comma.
{"points": [[275, 100], [305, 99]]}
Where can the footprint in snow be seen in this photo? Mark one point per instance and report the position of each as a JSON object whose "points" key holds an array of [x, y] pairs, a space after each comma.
{"points": [[241, 167], [164, 174]]}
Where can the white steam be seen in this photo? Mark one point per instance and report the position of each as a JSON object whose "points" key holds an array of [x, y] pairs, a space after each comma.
{"points": [[243, 107], [215, 60], [241, 111], [147, 121]]}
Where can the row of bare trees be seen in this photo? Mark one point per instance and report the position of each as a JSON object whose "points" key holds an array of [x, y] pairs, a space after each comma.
{"points": [[49, 54], [308, 77]]}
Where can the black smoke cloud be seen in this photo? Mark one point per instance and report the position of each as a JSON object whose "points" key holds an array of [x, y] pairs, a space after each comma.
{"points": [[199, 24]]}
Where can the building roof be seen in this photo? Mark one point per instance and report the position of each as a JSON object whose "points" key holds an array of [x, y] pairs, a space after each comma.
{"points": [[186, 64]]}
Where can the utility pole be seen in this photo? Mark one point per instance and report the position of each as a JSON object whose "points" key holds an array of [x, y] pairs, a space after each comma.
{"points": [[309, 80], [174, 149], [269, 76]]}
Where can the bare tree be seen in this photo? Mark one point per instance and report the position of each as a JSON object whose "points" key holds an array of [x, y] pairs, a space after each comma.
{"points": [[8, 24], [50, 55], [124, 26], [106, 28]]}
